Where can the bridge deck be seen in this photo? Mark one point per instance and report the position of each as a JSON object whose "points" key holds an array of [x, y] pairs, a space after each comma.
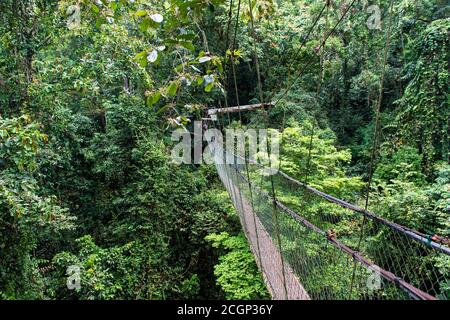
{"points": [[270, 258]]}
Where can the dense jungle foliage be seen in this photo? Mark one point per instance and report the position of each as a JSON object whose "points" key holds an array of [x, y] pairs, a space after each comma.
{"points": [[91, 91]]}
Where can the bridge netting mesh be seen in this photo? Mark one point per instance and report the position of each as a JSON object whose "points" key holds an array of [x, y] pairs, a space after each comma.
{"points": [[306, 245]]}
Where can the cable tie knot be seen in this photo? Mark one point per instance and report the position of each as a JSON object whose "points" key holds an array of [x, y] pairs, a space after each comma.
{"points": [[397, 280]]}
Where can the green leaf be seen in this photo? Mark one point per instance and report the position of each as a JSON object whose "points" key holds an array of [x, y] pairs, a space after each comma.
{"points": [[186, 37], [113, 6], [99, 22], [172, 89], [209, 87], [141, 58], [163, 109], [156, 97], [170, 42], [188, 45], [141, 13], [153, 99], [145, 24], [95, 9]]}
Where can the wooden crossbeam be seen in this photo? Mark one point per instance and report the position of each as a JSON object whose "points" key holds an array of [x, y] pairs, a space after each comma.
{"points": [[239, 108]]}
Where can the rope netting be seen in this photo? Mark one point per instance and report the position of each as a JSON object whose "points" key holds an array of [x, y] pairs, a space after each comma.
{"points": [[258, 226], [319, 239]]}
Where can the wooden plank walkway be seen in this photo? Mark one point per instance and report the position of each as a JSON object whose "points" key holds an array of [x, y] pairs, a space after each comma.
{"points": [[265, 251], [239, 108], [271, 267]]}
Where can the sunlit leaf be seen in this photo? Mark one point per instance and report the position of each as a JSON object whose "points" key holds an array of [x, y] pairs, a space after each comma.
{"points": [[153, 99], [141, 13], [145, 24], [209, 87], [99, 22], [188, 45], [172, 89]]}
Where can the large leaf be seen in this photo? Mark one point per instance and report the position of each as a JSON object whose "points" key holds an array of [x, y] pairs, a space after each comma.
{"points": [[145, 24], [153, 99], [188, 45], [141, 13], [209, 87], [172, 89]]}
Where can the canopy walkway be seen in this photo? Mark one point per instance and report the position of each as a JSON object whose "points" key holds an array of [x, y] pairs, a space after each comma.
{"points": [[299, 257], [309, 244]]}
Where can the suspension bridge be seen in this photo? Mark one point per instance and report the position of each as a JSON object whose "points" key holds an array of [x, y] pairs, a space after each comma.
{"points": [[301, 257], [300, 236]]}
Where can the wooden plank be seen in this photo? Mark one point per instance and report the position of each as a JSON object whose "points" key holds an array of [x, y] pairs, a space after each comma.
{"points": [[239, 108], [270, 258]]}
